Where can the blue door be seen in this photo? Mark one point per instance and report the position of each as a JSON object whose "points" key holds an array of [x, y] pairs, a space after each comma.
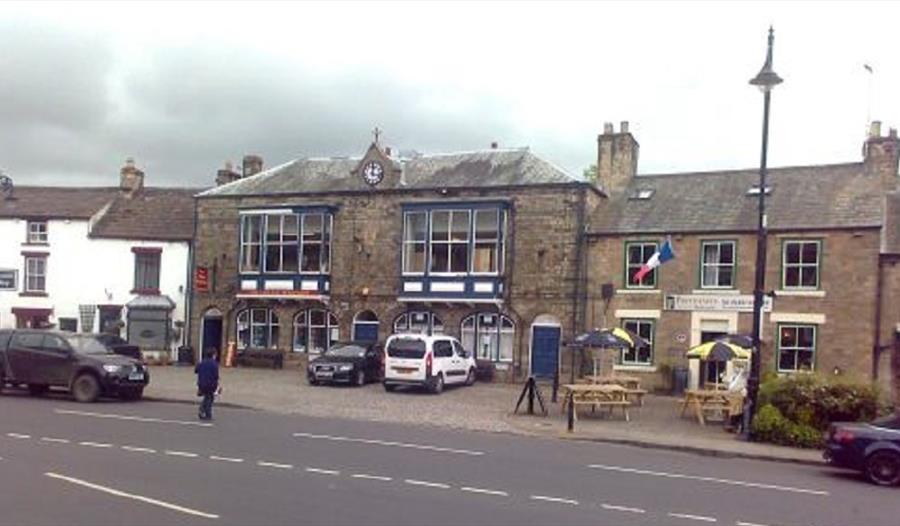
{"points": [[544, 350], [365, 332]]}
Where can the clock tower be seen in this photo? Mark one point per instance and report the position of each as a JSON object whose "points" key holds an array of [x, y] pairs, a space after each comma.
{"points": [[377, 169]]}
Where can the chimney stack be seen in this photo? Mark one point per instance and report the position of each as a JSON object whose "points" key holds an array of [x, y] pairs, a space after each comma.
{"points": [[131, 179], [617, 158], [387, 151], [882, 156], [252, 165], [494, 145], [227, 175]]}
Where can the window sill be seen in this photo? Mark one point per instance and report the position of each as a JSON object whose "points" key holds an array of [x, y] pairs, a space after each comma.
{"points": [[635, 368], [33, 294], [800, 293], [638, 291], [35, 244], [145, 292], [716, 291]]}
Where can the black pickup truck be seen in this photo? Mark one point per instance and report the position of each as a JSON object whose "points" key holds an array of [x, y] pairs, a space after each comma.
{"points": [[81, 363]]}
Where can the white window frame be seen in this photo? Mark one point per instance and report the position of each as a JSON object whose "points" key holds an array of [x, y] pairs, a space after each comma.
{"points": [[247, 244], [628, 265], [497, 240], [801, 265], [403, 323], [424, 243], [280, 243], [36, 236], [302, 322], [505, 328], [639, 321], [31, 273], [450, 242], [271, 323], [796, 350], [717, 265]]}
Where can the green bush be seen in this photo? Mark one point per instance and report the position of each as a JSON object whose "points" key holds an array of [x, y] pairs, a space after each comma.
{"points": [[812, 401], [770, 425]]}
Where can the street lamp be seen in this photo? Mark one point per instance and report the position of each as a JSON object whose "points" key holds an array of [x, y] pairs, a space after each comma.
{"points": [[765, 81]]}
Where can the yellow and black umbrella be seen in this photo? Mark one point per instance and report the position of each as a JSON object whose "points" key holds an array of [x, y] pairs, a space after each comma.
{"points": [[615, 338], [719, 351]]}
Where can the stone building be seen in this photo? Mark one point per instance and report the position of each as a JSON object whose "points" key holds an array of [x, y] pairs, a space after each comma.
{"points": [[482, 245], [832, 274]]}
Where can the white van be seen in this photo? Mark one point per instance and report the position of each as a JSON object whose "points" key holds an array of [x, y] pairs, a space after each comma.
{"points": [[429, 361]]}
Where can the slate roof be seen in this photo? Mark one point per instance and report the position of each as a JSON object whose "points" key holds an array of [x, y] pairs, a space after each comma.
{"points": [[49, 202], [802, 197], [150, 214], [495, 167]]}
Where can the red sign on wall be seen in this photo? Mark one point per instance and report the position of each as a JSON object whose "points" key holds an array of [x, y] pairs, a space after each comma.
{"points": [[201, 279]]}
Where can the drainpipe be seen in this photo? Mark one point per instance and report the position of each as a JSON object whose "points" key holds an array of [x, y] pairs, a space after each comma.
{"points": [[876, 349], [189, 286], [579, 266]]}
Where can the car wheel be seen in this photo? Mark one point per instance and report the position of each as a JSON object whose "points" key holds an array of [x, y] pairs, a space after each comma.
{"points": [[312, 380], [133, 394], [437, 385], [883, 468], [86, 388], [470, 379], [38, 389], [360, 378], [389, 387]]}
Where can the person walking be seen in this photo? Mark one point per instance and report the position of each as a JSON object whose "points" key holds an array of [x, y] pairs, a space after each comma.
{"points": [[207, 372]]}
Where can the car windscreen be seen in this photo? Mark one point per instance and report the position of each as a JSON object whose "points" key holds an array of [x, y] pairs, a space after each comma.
{"points": [[346, 351], [87, 345], [406, 348], [888, 422]]}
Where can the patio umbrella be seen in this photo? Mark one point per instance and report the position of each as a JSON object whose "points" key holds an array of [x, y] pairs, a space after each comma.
{"points": [[718, 351], [615, 338], [741, 340]]}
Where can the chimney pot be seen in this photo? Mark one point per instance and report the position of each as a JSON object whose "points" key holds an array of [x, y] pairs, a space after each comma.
{"points": [[228, 166], [623, 126], [252, 165], [130, 178], [608, 128], [892, 133], [494, 145], [387, 151], [875, 129]]}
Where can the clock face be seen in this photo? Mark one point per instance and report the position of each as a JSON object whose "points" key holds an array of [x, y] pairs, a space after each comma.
{"points": [[373, 173]]}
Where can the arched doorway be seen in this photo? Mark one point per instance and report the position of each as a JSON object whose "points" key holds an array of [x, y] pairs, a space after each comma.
{"points": [[211, 331], [546, 334], [365, 327]]}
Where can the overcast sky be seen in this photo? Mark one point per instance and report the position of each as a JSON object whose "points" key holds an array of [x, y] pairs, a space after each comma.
{"points": [[184, 87]]}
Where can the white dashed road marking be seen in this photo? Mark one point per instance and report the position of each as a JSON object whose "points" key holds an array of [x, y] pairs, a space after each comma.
{"points": [[55, 440], [226, 459], [132, 496], [483, 491], [427, 484], [95, 444], [323, 471], [274, 465], [370, 477], [17, 435], [709, 479], [621, 508], [554, 499], [693, 517], [391, 444], [131, 418], [742, 523], [139, 449], [181, 454]]}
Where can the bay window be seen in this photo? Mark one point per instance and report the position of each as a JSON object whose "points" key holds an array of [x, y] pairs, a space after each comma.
{"points": [[288, 243], [454, 241]]}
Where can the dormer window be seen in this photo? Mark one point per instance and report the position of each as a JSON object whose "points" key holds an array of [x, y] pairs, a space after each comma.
{"points": [[642, 194], [754, 190]]}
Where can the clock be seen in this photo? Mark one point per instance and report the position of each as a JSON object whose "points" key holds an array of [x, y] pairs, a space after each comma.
{"points": [[373, 172]]}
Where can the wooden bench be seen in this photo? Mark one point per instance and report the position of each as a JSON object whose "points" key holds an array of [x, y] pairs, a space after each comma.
{"points": [[597, 396], [248, 357], [637, 394]]}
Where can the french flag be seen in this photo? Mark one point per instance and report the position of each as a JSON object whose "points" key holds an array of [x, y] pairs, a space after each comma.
{"points": [[665, 253]]}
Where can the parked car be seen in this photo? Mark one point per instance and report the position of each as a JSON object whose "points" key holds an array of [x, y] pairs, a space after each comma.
{"points": [[353, 362], [119, 345], [428, 361], [873, 448], [81, 363]]}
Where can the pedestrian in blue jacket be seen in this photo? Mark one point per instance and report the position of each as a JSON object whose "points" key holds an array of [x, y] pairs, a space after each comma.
{"points": [[207, 372]]}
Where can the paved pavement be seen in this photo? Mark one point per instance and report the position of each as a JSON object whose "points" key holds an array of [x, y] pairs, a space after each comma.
{"points": [[154, 463], [483, 407]]}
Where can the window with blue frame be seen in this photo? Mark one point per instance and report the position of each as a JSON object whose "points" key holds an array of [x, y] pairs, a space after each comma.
{"points": [[287, 243], [454, 241]]}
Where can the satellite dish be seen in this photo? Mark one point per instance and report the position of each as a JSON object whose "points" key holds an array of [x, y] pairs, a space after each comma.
{"points": [[6, 185]]}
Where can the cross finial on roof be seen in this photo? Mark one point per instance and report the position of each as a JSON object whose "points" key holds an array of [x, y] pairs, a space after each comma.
{"points": [[377, 132]]}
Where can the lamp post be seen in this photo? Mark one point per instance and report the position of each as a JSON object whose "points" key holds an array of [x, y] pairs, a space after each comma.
{"points": [[765, 81]]}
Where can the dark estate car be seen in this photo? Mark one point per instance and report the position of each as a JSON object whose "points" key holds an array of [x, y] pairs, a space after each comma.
{"points": [[81, 363], [871, 448], [353, 362]]}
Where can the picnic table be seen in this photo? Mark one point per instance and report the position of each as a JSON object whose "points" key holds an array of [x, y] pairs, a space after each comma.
{"points": [[632, 384], [701, 401], [596, 395]]}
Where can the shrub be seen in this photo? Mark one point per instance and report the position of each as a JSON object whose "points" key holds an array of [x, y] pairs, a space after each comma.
{"points": [[771, 426], [811, 401]]}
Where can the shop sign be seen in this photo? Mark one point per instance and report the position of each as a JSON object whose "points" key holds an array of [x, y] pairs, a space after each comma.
{"points": [[714, 302], [201, 279]]}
